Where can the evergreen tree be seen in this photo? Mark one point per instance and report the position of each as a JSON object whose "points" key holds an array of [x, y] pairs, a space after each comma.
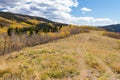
{"points": [[36, 30], [31, 31], [54, 29], [9, 31], [17, 30]]}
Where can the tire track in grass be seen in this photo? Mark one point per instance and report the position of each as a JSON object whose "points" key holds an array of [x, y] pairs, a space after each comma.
{"points": [[81, 58], [108, 70], [83, 66]]}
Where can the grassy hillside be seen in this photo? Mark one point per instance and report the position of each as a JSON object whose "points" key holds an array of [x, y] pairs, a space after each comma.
{"points": [[85, 56]]}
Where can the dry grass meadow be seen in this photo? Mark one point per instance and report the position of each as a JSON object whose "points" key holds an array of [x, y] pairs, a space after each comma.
{"points": [[85, 56]]}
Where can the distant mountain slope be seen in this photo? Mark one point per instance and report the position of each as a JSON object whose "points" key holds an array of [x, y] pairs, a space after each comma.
{"points": [[20, 19], [113, 28]]}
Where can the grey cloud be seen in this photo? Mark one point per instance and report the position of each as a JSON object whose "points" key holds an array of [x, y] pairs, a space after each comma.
{"points": [[5, 3]]}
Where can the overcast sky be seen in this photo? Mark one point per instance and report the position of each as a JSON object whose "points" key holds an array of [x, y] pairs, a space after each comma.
{"points": [[81, 12]]}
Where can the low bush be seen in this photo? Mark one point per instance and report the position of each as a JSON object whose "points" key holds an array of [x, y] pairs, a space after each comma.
{"points": [[112, 34]]}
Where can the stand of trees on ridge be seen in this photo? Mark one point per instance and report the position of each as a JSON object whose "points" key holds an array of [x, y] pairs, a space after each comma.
{"points": [[40, 28], [18, 38]]}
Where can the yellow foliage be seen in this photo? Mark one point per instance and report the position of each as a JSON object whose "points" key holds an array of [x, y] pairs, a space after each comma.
{"points": [[65, 28], [62, 33], [19, 25], [2, 30], [23, 23], [34, 21], [43, 34], [53, 35], [14, 25], [67, 33]]}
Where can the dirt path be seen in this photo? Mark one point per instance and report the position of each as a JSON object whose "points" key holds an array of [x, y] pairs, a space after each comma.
{"points": [[82, 52]]}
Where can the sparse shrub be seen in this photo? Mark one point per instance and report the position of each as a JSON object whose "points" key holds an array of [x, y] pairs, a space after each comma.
{"points": [[75, 30], [44, 51], [69, 58], [91, 61], [71, 71], [3, 72], [44, 76], [57, 73], [102, 78]]}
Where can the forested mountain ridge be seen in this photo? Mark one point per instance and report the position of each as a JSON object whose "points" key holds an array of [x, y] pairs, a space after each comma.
{"points": [[113, 28], [8, 19]]}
